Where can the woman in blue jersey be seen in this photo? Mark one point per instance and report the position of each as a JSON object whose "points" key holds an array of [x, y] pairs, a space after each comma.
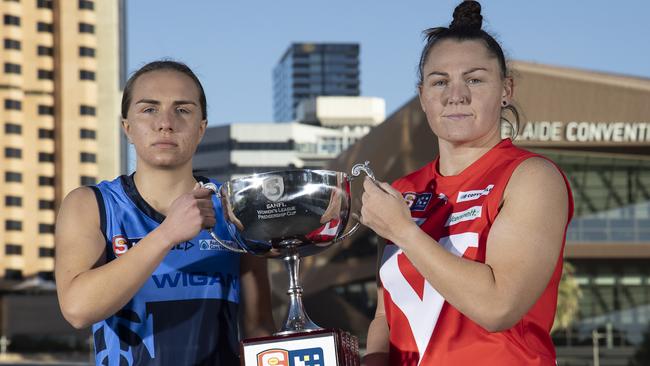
{"points": [[132, 258]]}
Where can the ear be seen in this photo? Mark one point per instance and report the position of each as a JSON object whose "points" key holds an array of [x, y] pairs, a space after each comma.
{"points": [[508, 90], [202, 127], [126, 128]]}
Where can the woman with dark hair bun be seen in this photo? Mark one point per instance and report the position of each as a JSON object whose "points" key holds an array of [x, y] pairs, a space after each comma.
{"points": [[470, 273]]}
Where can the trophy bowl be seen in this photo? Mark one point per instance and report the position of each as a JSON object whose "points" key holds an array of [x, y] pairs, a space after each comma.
{"points": [[288, 214]]}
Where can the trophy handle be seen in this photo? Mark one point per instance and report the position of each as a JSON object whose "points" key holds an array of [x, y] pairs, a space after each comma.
{"points": [[356, 172], [224, 243]]}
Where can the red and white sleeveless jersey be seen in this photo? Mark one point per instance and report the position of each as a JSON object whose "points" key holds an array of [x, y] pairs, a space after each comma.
{"points": [[458, 212]]}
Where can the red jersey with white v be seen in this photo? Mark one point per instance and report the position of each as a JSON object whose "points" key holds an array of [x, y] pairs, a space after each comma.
{"points": [[458, 212]]}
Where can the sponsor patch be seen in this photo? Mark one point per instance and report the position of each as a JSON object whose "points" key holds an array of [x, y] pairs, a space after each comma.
{"points": [[417, 201], [475, 194], [209, 244], [471, 213], [122, 244], [299, 357]]}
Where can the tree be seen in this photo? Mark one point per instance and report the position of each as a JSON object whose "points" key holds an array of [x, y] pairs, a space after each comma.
{"points": [[569, 295]]}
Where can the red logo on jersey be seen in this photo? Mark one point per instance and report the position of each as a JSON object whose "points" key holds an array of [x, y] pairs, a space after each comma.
{"points": [[120, 245], [273, 357]]}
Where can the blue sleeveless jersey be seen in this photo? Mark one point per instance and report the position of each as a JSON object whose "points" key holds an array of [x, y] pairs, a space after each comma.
{"points": [[187, 311]]}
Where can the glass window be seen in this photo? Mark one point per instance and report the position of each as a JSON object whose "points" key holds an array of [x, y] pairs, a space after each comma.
{"points": [[86, 157], [86, 75], [86, 28], [13, 177], [45, 74], [44, 133], [13, 249], [44, 27], [12, 128], [11, 20], [45, 181], [13, 104], [12, 68], [45, 157], [14, 201], [12, 44], [11, 152], [45, 51], [13, 225]]}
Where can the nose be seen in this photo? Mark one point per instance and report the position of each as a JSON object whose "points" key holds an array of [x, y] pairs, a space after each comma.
{"points": [[165, 121], [457, 93]]}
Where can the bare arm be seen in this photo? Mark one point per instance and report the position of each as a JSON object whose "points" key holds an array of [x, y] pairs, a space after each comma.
{"points": [[256, 297], [378, 336], [522, 250], [89, 289]]}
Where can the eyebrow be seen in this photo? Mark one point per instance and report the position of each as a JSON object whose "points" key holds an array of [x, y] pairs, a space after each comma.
{"points": [[156, 102], [440, 73]]}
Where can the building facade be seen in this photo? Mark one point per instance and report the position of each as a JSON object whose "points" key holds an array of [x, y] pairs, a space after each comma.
{"points": [[328, 126], [60, 90], [311, 69], [595, 126]]}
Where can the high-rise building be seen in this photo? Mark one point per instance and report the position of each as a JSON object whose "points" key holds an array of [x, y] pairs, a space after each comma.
{"points": [[313, 69], [59, 109]]}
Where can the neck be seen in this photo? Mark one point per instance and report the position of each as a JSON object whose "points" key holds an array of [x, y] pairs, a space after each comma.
{"points": [[161, 187], [456, 157]]}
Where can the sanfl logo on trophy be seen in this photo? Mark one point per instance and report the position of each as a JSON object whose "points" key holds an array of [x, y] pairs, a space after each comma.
{"points": [[273, 187]]}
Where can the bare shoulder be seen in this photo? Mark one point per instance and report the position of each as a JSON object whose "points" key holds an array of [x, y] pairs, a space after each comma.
{"points": [[80, 204], [537, 177]]}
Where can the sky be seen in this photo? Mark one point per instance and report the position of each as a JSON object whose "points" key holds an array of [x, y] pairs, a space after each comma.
{"points": [[233, 45]]}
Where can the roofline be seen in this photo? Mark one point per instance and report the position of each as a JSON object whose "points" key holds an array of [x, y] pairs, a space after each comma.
{"points": [[599, 77]]}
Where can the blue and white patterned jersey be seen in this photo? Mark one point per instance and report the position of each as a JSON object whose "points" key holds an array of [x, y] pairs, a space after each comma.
{"points": [[186, 313]]}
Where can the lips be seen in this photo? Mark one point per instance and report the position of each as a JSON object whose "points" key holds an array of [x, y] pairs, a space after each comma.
{"points": [[165, 144], [456, 116]]}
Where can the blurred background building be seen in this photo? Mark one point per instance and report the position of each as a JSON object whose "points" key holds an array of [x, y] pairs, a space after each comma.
{"points": [[62, 67], [313, 69], [326, 127]]}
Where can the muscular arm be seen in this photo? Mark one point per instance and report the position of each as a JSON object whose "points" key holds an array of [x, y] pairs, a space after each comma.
{"points": [[377, 342], [522, 249], [256, 297], [89, 289]]}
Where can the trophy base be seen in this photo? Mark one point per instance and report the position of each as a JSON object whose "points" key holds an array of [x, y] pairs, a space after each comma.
{"points": [[333, 347]]}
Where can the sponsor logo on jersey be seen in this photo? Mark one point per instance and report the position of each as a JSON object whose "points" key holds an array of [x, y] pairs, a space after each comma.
{"points": [[122, 244], [475, 194], [471, 213], [209, 244], [184, 246], [417, 201], [299, 357], [189, 279]]}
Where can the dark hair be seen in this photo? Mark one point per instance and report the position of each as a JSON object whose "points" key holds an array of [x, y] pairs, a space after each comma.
{"points": [[162, 65], [466, 26]]}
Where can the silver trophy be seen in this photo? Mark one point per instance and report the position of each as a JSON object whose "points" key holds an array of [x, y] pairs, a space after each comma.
{"points": [[288, 214]]}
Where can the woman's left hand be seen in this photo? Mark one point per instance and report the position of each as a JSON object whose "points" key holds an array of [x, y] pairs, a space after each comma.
{"points": [[385, 211]]}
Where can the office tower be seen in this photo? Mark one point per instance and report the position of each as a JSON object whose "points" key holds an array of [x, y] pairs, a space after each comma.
{"points": [[59, 94], [313, 69]]}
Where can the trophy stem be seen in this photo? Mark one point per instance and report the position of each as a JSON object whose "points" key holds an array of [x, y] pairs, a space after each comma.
{"points": [[297, 319]]}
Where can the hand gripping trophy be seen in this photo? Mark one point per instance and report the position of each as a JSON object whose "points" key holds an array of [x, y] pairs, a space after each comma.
{"points": [[291, 214]]}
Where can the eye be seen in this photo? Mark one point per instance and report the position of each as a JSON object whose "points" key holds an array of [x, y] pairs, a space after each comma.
{"points": [[440, 82], [149, 110], [183, 110], [474, 81]]}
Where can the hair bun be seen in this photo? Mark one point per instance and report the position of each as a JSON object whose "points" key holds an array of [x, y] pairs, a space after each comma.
{"points": [[467, 15]]}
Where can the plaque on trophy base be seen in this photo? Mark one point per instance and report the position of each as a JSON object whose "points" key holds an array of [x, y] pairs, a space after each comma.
{"points": [[317, 348]]}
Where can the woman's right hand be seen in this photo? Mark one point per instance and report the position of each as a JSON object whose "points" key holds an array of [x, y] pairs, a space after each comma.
{"points": [[188, 215]]}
